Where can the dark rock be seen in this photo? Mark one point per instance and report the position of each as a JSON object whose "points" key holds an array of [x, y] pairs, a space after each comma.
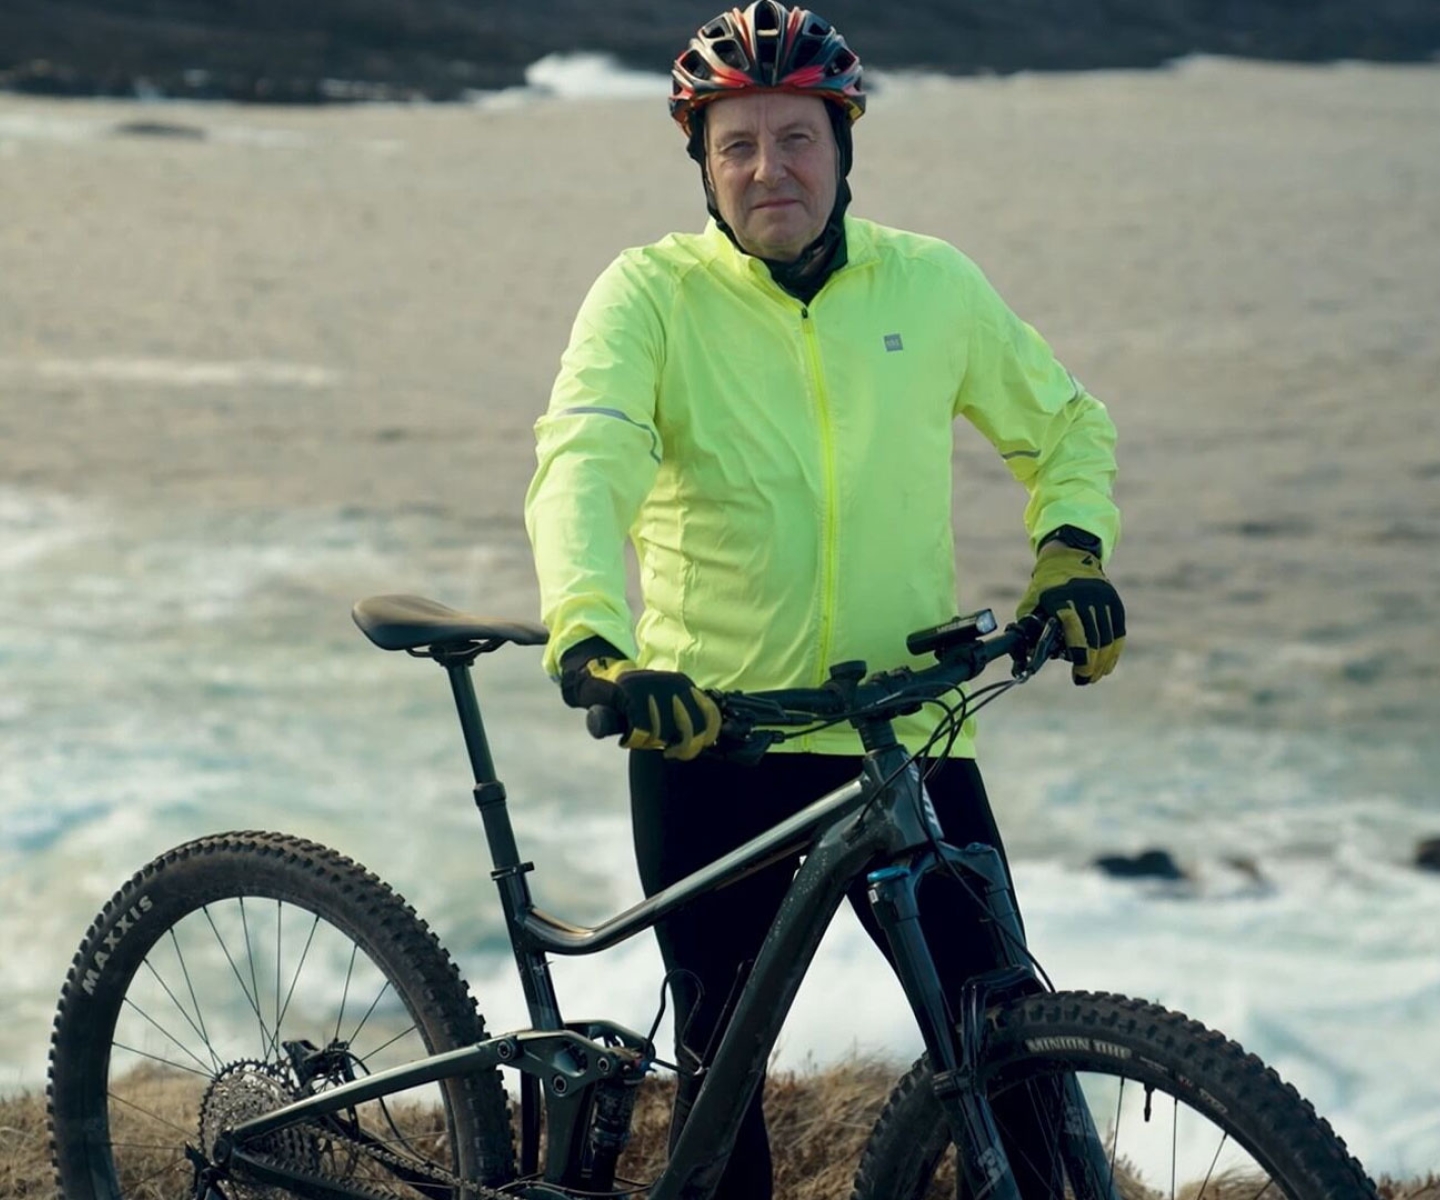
{"points": [[1249, 868], [159, 129], [1276, 527], [1148, 864], [340, 50], [1427, 854]]}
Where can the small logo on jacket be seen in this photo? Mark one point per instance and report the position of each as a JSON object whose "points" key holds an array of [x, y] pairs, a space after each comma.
{"points": [[893, 342]]}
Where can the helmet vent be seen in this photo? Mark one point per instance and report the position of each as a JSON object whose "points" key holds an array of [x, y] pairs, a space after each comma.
{"points": [[806, 50], [767, 20], [729, 51], [767, 52], [694, 62]]}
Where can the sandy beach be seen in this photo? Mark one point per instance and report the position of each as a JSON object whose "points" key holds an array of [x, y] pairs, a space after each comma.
{"points": [[243, 347]]}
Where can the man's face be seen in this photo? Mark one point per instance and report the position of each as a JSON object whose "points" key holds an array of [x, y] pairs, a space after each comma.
{"points": [[774, 167]]}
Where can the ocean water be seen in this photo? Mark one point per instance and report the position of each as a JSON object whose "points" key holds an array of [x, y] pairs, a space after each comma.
{"points": [[164, 675], [171, 676]]}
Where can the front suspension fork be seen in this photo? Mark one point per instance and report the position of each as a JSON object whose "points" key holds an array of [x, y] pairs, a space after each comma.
{"points": [[954, 1041]]}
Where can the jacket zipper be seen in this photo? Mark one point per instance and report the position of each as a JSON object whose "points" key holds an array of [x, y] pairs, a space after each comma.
{"points": [[827, 457]]}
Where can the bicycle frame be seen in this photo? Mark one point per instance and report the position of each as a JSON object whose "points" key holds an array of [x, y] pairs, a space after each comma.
{"points": [[882, 817]]}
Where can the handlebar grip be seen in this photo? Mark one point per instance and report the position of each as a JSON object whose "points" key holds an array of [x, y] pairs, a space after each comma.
{"points": [[603, 721]]}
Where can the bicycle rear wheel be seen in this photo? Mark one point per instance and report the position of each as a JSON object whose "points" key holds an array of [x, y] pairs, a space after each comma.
{"points": [[235, 974], [1181, 1111]]}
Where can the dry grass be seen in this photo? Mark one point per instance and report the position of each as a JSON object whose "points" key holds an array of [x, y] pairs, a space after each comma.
{"points": [[24, 1156], [818, 1123], [818, 1126]]}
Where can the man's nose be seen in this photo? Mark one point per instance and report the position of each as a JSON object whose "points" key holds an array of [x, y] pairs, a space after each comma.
{"points": [[769, 161]]}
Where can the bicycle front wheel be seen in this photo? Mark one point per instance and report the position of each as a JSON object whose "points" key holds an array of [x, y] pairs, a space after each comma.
{"points": [[1180, 1111], [235, 974]]}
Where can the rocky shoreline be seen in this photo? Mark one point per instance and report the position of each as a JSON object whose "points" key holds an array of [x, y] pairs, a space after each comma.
{"points": [[328, 51]]}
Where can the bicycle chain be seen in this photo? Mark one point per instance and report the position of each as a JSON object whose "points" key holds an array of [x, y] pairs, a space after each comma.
{"points": [[415, 1166], [249, 1089], [461, 1187]]}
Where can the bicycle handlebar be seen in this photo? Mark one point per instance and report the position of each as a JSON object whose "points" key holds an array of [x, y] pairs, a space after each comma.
{"points": [[1029, 643]]}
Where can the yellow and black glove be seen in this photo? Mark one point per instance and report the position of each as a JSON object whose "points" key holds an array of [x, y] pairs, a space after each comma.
{"points": [[663, 709], [1068, 584]]}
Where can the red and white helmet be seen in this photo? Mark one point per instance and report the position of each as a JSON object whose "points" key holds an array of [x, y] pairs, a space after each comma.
{"points": [[765, 47]]}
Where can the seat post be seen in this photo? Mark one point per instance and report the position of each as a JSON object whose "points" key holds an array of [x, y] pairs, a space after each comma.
{"points": [[489, 791], [468, 710], [509, 873]]}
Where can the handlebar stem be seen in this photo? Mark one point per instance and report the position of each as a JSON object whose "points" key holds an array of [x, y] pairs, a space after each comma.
{"points": [[876, 733]]}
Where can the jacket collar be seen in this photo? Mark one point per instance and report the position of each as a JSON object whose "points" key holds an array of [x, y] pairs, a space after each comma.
{"points": [[719, 249]]}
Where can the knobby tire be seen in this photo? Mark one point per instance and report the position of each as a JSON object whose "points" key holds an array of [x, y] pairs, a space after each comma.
{"points": [[1208, 1080], [301, 896]]}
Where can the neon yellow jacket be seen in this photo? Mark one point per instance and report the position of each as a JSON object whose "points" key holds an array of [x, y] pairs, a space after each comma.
{"points": [[784, 470]]}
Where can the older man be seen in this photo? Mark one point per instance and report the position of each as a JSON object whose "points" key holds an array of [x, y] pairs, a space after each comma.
{"points": [[765, 408]]}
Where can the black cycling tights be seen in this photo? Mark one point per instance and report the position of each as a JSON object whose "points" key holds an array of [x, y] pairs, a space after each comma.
{"points": [[688, 814]]}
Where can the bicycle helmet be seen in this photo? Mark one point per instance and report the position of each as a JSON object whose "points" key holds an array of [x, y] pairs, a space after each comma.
{"points": [[765, 47]]}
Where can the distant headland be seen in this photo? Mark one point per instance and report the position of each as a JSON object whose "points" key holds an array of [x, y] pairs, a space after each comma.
{"points": [[275, 51]]}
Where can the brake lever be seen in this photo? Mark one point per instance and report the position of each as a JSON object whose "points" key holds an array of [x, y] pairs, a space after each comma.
{"points": [[1051, 643], [1048, 643]]}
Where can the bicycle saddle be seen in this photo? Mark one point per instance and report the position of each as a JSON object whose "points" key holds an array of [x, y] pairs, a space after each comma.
{"points": [[409, 622]]}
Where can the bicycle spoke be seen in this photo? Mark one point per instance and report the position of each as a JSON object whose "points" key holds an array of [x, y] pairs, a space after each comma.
{"points": [[164, 1062], [345, 995], [1174, 1143], [127, 1144], [145, 1112], [412, 1028], [195, 1000], [266, 1041], [179, 1161], [204, 1067], [254, 1006], [1211, 1172], [279, 958], [214, 1058], [1115, 1141], [299, 966], [355, 1033]]}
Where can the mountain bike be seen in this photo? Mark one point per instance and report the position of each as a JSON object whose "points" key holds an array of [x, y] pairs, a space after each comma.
{"points": [[254, 1015]]}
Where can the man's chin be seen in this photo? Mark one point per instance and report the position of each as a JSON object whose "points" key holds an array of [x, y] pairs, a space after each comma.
{"points": [[780, 246]]}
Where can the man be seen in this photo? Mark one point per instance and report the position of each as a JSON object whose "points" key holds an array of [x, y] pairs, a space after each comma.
{"points": [[766, 409]]}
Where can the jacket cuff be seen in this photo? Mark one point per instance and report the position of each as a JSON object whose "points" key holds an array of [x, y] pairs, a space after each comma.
{"points": [[581, 653], [573, 675], [1074, 537]]}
